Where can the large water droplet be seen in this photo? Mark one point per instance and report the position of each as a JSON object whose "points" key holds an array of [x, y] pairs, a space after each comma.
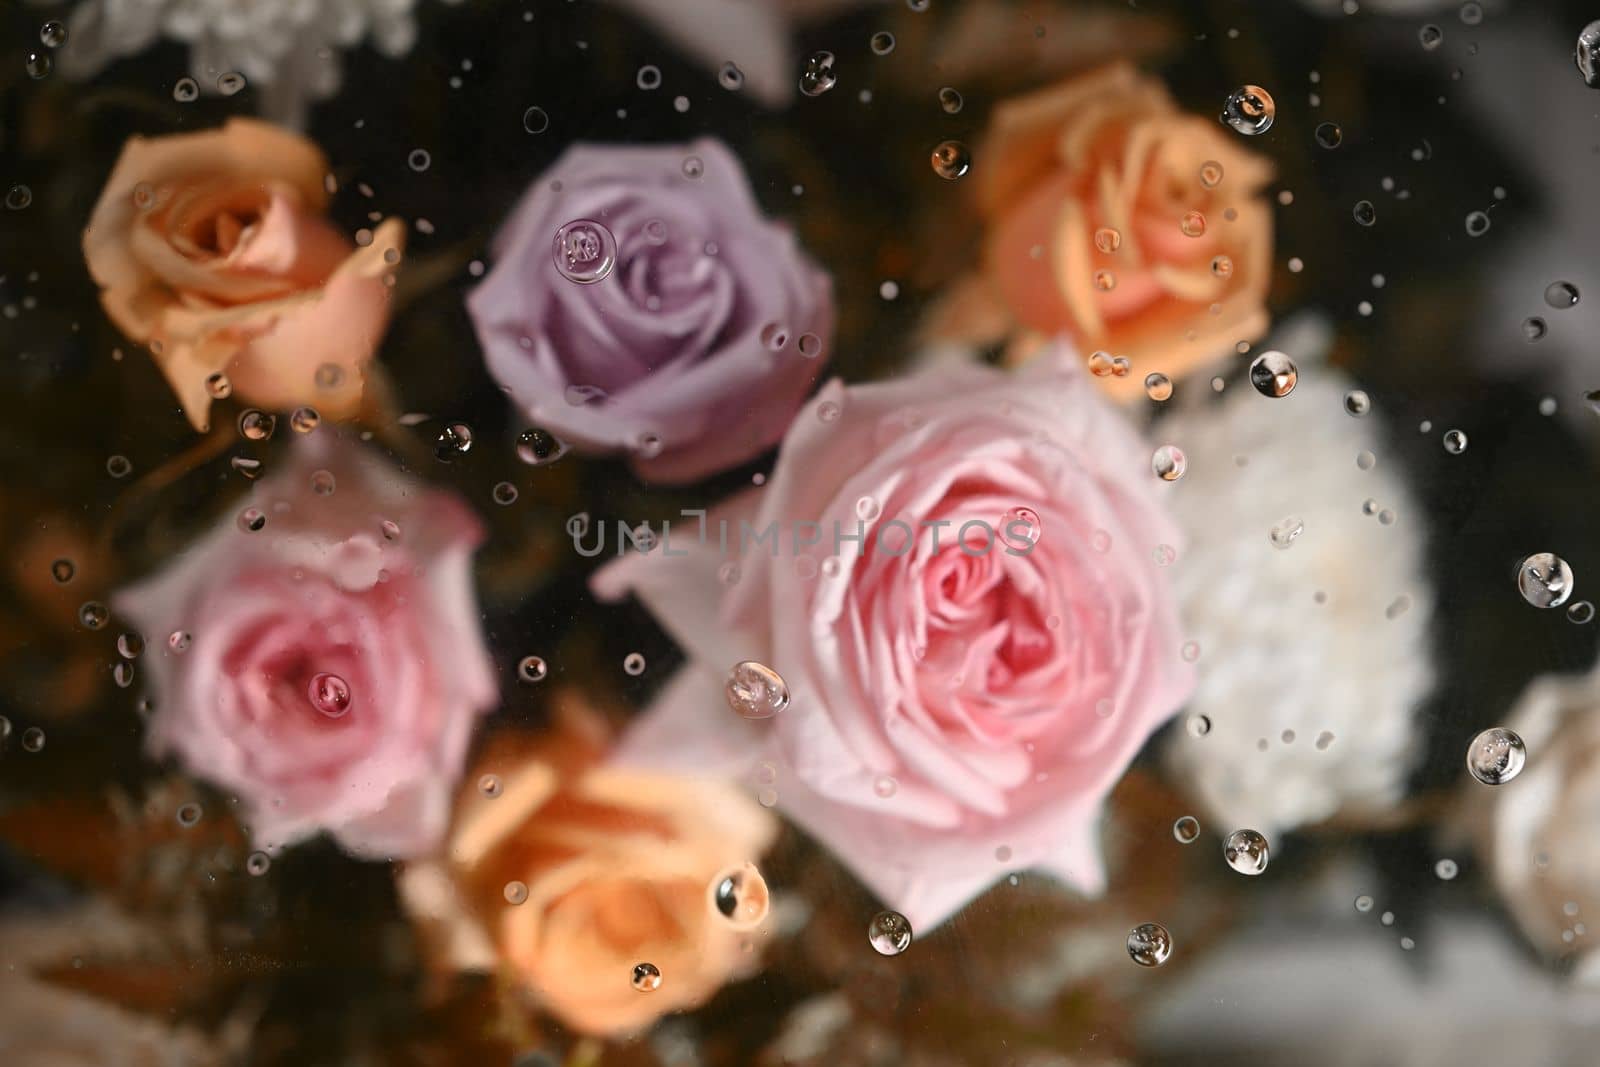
{"points": [[585, 251], [329, 694], [1250, 110], [1357, 402], [1157, 386], [1587, 54], [740, 895], [889, 933], [1020, 529], [39, 65], [1246, 852], [950, 160], [1545, 580], [538, 448], [53, 34], [1430, 36], [1149, 944], [454, 441], [1455, 442], [1561, 294], [1496, 756], [646, 977], [1273, 374], [756, 691], [1169, 463], [818, 75]]}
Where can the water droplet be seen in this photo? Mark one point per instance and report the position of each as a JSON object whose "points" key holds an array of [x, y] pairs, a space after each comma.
{"points": [[1534, 328], [539, 448], [257, 864], [62, 570], [1193, 224], [219, 386], [1250, 110], [585, 251], [1329, 135], [33, 739], [828, 411], [1273, 374], [1157, 386], [1446, 869], [179, 641], [1364, 903], [693, 168], [648, 78], [1149, 944], [950, 100], [1545, 580], [1471, 13], [328, 376], [950, 160], [118, 466], [1587, 54], [774, 337], [186, 90], [633, 663], [1020, 529], [504, 493], [256, 425], [1455, 442], [489, 785], [419, 160], [52, 34], [1246, 852], [129, 645], [646, 977], [1107, 239], [884, 786], [1561, 294], [730, 77], [329, 694], [515, 892], [1190, 651], [536, 120], [38, 65], [889, 933], [1364, 212], [1357, 403], [1198, 725], [390, 530], [755, 691], [1169, 463], [1430, 36], [818, 76], [882, 43], [1211, 174], [1186, 829], [740, 895], [532, 669], [1222, 266], [93, 615], [1496, 756], [1283, 533], [1580, 612], [18, 197], [810, 345], [189, 814], [230, 83], [454, 441]]}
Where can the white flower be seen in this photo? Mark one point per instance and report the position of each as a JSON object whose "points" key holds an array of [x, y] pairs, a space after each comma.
{"points": [[287, 49], [1539, 834], [1311, 656]]}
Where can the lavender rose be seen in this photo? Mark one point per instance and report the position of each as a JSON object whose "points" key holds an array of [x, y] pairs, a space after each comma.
{"points": [[693, 348]]}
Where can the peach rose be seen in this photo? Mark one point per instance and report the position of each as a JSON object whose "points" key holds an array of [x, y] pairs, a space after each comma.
{"points": [[1105, 161], [212, 249], [566, 875]]}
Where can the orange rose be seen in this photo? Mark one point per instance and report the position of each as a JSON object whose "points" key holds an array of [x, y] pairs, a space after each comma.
{"points": [[212, 249], [573, 874], [1105, 161]]}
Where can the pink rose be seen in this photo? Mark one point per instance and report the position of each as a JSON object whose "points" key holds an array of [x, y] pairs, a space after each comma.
{"points": [[960, 704], [326, 667]]}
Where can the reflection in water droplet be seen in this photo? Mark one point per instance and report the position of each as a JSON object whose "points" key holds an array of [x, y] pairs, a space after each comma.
{"points": [[257, 863], [1193, 224], [1149, 944], [256, 425], [950, 100], [1364, 903], [755, 691], [1364, 212], [1477, 223], [889, 933], [532, 669], [1250, 110], [538, 448], [1587, 54], [186, 90], [646, 977], [516, 892], [1186, 829], [39, 65], [1273, 374], [62, 570], [1283, 533], [882, 43], [1496, 756], [1246, 852], [1198, 725], [818, 76], [740, 895], [252, 520], [1169, 463], [1545, 580], [329, 694], [1430, 36], [1580, 612], [633, 664], [1329, 135], [52, 34], [950, 160], [189, 814], [33, 739], [585, 251], [1020, 529], [304, 420], [1455, 442], [1211, 174], [1357, 403], [454, 441], [18, 197], [1157, 386], [1107, 239]]}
